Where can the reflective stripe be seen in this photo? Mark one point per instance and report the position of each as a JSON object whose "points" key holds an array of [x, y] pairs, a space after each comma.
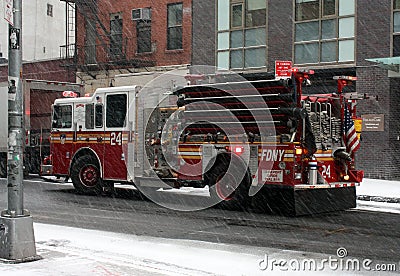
{"points": [[323, 155], [189, 153]]}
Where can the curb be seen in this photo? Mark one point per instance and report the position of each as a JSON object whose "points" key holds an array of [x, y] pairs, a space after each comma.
{"points": [[378, 198]]}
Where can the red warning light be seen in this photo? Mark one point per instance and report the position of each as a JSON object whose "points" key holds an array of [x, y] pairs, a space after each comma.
{"points": [[238, 150], [70, 94]]}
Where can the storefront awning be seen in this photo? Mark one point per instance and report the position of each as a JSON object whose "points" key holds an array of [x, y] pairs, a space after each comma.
{"points": [[389, 63]]}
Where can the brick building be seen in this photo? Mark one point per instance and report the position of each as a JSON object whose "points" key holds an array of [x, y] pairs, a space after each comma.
{"points": [[50, 70], [119, 42], [333, 37]]}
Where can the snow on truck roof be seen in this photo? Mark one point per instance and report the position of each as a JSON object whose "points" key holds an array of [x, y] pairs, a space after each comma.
{"points": [[117, 89], [73, 100]]}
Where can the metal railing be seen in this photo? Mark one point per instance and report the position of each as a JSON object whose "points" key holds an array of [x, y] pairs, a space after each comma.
{"points": [[67, 51]]}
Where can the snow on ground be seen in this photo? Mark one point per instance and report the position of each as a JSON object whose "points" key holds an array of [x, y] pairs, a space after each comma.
{"points": [[379, 191], [73, 251], [377, 187], [378, 206]]}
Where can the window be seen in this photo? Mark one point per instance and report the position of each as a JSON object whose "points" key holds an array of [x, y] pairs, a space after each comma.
{"points": [[143, 29], [62, 116], [116, 36], [241, 34], [256, 14], [174, 33], [307, 9], [396, 28], [237, 15], [50, 10], [98, 119], [116, 110], [324, 31], [89, 116]]}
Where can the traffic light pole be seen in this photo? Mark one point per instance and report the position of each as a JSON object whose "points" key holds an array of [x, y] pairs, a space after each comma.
{"points": [[17, 241]]}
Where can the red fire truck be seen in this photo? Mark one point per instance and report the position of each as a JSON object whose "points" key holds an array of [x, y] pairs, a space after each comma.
{"points": [[248, 141]]}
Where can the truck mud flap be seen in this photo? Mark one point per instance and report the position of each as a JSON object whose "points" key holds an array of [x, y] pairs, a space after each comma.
{"points": [[291, 202]]}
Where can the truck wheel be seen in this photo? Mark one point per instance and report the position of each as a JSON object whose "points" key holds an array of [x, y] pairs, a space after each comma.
{"points": [[225, 189], [85, 176]]}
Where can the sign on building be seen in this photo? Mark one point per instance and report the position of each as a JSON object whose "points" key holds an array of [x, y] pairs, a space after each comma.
{"points": [[373, 122], [8, 11], [283, 69]]}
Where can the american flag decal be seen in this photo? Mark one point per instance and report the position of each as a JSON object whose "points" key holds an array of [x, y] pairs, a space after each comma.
{"points": [[349, 132]]}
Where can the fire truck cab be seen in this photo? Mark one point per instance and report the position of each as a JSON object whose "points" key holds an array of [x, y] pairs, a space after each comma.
{"points": [[87, 137]]}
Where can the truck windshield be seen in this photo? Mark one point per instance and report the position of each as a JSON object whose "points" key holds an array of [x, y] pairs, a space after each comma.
{"points": [[62, 116]]}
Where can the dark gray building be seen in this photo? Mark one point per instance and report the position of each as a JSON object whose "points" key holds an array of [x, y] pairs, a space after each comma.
{"points": [[333, 37]]}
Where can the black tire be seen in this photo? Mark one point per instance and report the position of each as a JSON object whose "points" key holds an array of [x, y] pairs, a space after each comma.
{"points": [[86, 177], [224, 186]]}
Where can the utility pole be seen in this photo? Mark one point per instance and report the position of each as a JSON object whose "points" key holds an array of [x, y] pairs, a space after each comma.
{"points": [[17, 241]]}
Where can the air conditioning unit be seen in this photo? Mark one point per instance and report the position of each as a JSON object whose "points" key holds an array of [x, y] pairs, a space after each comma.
{"points": [[141, 14]]}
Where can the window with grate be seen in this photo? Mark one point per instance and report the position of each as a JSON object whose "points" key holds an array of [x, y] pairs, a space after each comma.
{"points": [[143, 30], [174, 32], [116, 36]]}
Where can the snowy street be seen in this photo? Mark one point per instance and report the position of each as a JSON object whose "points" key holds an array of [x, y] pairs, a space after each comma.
{"points": [[126, 235]]}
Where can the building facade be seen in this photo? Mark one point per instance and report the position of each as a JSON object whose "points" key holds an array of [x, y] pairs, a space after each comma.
{"points": [[43, 30], [120, 42], [49, 70], [333, 37]]}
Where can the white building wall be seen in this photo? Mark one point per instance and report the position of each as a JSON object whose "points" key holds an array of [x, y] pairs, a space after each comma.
{"points": [[42, 35]]}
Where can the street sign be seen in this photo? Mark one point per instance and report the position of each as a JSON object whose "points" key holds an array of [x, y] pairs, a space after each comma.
{"points": [[14, 39], [283, 69], [8, 11]]}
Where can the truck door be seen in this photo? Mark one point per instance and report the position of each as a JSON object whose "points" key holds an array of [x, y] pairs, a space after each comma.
{"points": [[94, 136], [116, 107], [62, 138]]}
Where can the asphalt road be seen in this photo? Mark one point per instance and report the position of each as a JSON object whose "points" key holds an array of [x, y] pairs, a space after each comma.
{"points": [[364, 234]]}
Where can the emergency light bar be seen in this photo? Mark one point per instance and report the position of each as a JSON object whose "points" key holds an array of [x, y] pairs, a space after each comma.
{"points": [[70, 94], [350, 78], [303, 70]]}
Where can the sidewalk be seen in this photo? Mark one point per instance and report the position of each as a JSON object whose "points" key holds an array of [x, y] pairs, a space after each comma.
{"points": [[379, 191], [73, 251]]}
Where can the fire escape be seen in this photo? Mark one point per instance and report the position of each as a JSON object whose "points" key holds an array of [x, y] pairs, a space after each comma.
{"points": [[102, 48]]}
